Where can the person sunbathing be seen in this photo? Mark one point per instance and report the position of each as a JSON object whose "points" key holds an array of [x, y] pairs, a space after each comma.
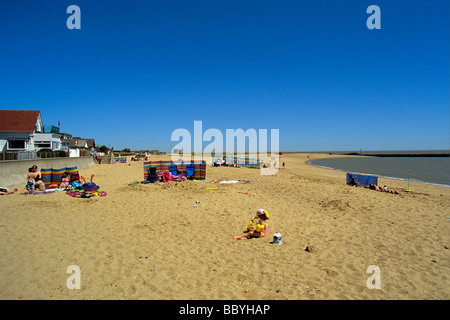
{"points": [[385, 189], [5, 191]]}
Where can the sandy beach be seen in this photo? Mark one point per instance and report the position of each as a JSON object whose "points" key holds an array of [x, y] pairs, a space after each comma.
{"points": [[150, 242]]}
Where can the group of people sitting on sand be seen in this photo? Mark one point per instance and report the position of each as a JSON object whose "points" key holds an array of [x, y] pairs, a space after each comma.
{"points": [[34, 180]]}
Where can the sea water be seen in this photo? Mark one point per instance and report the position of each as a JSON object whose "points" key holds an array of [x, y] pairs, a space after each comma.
{"points": [[433, 170]]}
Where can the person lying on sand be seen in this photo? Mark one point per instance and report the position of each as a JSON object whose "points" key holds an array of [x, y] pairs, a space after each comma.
{"points": [[5, 191], [261, 228], [384, 189]]}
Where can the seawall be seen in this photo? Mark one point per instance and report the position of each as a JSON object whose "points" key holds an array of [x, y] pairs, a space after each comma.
{"points": [[14, 172]]}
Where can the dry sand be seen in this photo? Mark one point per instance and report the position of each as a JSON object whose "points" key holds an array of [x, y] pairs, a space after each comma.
{"points": [[150, 242]]}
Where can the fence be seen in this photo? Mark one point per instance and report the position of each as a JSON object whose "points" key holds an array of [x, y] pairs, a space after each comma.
{"points": [[18, 155], [28, 155]]}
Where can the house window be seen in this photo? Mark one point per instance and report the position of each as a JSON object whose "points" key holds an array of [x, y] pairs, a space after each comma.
{"points": [[43, 144], [16, 144]]}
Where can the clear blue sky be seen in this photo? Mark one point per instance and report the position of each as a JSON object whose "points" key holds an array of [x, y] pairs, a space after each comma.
{"points": [[137, 70]]}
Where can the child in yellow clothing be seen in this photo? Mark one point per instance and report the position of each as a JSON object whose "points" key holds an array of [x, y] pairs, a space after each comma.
{"points": [[261, 228]]}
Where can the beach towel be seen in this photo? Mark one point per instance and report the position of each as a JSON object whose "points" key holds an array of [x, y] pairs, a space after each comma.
{"points": [[121, 160], [38, 193], [180, 177], [167, 176], [148, 182], [230, 181]]}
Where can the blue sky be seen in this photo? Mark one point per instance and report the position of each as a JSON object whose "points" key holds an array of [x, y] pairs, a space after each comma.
{"points": [[138, 70]]}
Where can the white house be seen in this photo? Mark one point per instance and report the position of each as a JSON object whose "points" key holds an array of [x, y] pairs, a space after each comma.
{"points": [[17, 130], [75, 147], [22, 134], [47, 141]]}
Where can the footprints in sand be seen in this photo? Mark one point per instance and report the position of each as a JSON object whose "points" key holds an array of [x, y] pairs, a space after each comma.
{"points": [[337, 204]]}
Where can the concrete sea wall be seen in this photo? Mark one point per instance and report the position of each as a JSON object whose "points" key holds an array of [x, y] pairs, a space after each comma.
{"points": [[14, 172]]}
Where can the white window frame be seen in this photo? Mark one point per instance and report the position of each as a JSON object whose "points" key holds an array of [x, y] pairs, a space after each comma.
{"points": [[25, 143]]}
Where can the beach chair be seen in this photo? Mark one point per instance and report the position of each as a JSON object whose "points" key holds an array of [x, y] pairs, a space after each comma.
{"points": [[152, 176], [173, 170], [190, 171]]}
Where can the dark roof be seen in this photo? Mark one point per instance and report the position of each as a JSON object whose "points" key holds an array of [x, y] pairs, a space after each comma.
{"points": [[75, 143], [18, 120], [90, 142]]}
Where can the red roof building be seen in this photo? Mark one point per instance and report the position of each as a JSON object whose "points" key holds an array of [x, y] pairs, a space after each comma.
{"points": [[17, 129], [20, 121]]}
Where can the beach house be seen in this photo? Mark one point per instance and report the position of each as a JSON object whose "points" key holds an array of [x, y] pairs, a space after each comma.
{"points": [[47, 141], [17, 132], [91, 147], [23, 134], [75, 147]]}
